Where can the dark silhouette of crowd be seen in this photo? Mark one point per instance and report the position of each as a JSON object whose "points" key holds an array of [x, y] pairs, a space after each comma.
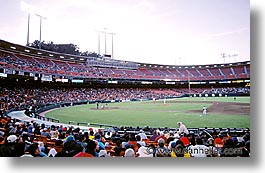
{"points": [[30, 139]]}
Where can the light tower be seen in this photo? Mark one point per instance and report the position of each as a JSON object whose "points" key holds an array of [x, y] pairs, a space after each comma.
{"points": [[41, 17], [105, 40], [112, 49], [223, 55], [98, 31], [29, 9]]}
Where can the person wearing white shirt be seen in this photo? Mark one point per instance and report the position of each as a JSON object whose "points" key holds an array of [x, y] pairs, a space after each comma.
{"points": [[198, 150], [142, 135], [182, 128]]}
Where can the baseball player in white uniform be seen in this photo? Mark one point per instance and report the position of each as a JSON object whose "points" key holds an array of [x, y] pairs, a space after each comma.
{"points": [[204, 110]]}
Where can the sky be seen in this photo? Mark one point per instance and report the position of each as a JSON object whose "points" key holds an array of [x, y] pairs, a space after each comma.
{"points": [[170, 32]]}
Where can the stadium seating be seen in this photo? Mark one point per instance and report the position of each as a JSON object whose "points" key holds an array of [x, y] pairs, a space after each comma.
{"points": [[60, 67]]}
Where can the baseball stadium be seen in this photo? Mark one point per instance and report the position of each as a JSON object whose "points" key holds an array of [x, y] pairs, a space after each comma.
{"points": [[99, 96], [178, 84]]}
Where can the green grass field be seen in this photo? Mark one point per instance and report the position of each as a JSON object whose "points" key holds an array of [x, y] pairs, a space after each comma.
{"points": [[155, 114]]}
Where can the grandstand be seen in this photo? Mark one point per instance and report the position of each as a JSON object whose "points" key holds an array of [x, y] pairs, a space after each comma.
{"points": [[28, 60], [49, 80]]}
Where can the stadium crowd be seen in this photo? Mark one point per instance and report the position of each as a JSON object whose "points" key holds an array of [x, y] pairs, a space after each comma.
{"points": [[227, 90], [49, 66], [21, 98], [29, 139]]}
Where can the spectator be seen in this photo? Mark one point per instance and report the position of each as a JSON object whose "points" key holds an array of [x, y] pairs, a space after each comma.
{"points": [[118, 149], [199, 150], [154, 136], [44, 132], [13, 147], [91, 148], [100, 143], [35, 151], [144, 152], [139, 141], [179, 150], [213, 152], [132, 141], [142, 135], [161, 136], [103, 153], [70, 149], [185, 139], [129, 153], [161, 150], [182, 128], [230, 149]]}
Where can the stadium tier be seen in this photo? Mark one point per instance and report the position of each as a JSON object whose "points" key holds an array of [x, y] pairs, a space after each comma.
{"points": [[21, 60]]}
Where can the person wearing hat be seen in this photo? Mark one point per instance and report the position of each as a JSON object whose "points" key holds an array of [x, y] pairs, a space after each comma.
{"points": [[213, 152], [182, 128], [204, 110], [161, 150], [13, 147], [103, 153], [129, 153], [45, 132]]}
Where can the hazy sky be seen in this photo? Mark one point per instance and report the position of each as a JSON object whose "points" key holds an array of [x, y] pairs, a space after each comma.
{"points": [[149, 31]]}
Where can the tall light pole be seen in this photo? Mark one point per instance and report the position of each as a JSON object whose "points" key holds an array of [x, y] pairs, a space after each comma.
{"points": [[112, 49], [105, 40], [105, 35], [223, 55], [99, 42], [98, 31], [189, 81], [41, 17], [29, 9], [28, 29]]}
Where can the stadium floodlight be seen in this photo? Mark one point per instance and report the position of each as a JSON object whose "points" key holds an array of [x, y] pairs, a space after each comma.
{"points": [[98, 42], [105, 35], [105, 40], [98, 31], [112, 53], [223, 55], [41, 17], [29, 9]]}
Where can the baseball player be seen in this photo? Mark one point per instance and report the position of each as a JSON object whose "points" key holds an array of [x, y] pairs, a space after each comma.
{"points": [[204, 110]]}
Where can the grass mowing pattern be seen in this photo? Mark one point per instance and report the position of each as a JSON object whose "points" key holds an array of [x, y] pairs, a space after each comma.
{"points": [[154, 114]]}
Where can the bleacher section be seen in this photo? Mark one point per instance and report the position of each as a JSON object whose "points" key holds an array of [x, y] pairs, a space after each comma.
{"points": [[47, 66]]}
